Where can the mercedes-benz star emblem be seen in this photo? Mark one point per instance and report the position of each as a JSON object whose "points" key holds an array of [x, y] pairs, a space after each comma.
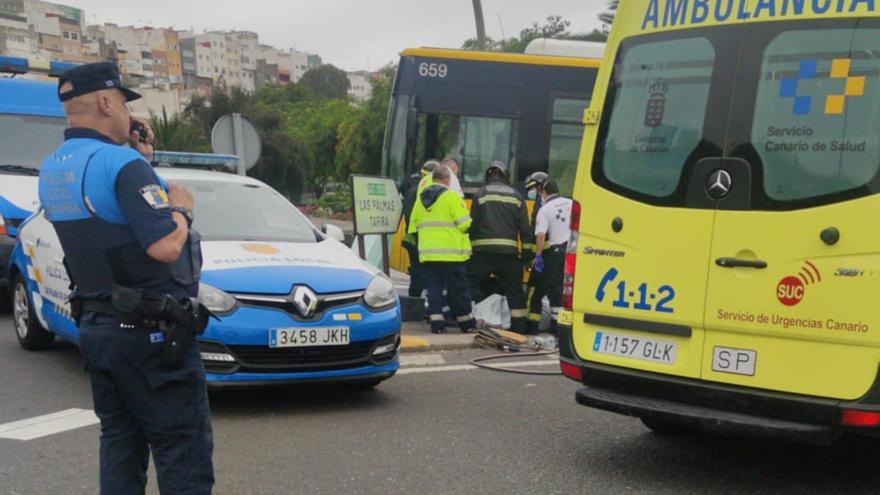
{"points": [[719, 184], [305, 300]]}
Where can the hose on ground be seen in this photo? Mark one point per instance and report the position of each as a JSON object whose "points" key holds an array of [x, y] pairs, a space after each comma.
{"points": [[480, 362]]}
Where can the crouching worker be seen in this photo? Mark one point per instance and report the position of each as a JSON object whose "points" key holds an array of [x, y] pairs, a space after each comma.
{"points": [[441, 220]]}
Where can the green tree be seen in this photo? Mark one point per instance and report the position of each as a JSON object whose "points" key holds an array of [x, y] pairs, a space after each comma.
{"points": [[178, 133], [607, 17], [315, 125], [326, 81], [361, 136]]}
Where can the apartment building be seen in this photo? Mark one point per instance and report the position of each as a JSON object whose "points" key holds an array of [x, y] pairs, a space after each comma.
{"points": [[359, 86]]}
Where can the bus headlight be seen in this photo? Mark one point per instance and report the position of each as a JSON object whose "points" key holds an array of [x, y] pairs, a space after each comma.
{"points": [[216, 300], [380, 292]]}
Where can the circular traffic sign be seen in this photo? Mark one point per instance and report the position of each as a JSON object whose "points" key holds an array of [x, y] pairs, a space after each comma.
{"points": [[247, 145]]}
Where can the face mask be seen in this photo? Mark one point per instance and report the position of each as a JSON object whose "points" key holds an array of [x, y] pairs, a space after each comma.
{"points": [[533, 194]]}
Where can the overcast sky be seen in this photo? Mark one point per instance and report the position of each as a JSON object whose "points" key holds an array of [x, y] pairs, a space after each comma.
{"points": [[351, 34]]}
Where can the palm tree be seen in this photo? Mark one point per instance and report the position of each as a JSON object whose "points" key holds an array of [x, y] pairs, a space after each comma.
{"points": [[607, 17]]}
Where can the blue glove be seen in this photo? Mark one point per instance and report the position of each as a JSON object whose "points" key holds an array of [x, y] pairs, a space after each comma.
{"points": [[539, 264]]}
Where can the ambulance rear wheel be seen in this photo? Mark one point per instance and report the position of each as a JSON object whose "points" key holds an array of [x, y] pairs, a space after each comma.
{"points": [[666, 427], [31, 335]]}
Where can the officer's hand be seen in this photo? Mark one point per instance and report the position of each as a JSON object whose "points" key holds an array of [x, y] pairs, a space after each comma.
{"points": [[179, 196], [144, 147]]}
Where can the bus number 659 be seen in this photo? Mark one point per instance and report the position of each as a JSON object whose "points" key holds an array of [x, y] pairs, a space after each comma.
{"points": [[433, 70]]}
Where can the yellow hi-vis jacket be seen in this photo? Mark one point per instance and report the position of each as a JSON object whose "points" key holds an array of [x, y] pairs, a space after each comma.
{"points": [[442, 220]]}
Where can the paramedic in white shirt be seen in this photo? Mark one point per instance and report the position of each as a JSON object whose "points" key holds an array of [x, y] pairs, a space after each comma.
{"points": [[552, 231]]}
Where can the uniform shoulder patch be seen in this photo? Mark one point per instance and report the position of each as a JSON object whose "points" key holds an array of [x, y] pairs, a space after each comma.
{"points": [[155, 196]]}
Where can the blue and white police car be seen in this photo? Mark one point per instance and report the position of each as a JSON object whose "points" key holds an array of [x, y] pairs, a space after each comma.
{"points": [[32, 124], [294, 304]]}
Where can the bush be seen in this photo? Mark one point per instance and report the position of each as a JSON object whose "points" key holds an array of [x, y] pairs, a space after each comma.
{"points": [[336, 202]]}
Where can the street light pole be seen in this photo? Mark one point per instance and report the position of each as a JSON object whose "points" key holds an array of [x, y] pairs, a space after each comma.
{"points": [[481, 24]]}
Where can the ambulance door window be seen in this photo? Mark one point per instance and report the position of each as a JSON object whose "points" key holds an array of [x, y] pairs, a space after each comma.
{"points": [[658, 102], [816, 127]]}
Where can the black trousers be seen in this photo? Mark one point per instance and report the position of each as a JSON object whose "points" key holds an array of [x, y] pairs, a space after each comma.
{"points": [[508, 271], [145, 405], [554, 270], [453, 277], [416, 275]]}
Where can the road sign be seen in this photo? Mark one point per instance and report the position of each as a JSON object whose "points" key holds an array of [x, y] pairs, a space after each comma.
{"points": [[377, 210], [377, 205], [235, 135]]}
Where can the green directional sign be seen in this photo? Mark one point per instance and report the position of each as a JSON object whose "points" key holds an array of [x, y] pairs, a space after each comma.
{"points": [[377, 206]]}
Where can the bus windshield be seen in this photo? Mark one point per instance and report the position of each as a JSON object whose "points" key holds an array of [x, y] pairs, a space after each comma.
{"points": [[525, 111], [25, 141]]}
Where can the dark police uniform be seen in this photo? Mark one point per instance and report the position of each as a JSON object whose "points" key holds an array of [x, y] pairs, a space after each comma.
{"points": [[108, 206]]}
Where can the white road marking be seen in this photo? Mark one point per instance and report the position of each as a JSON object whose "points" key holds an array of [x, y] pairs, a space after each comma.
{"points": [[49, 424], [421, 359], [469, 367]]}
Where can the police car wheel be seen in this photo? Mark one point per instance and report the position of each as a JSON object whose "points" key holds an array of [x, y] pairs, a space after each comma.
{"points": [[31, 335], [666, 427]]}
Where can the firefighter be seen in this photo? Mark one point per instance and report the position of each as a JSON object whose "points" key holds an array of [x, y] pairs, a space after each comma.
{"points": [[500, 224], [536, 290], [442, 221], [553, 232]]}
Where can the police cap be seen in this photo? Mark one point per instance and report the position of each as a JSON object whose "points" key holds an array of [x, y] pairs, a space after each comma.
{"points": [[89, 78]]}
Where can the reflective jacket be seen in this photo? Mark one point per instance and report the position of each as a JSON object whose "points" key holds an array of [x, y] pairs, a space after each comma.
{"points": [[501, 221], [442, 222]]}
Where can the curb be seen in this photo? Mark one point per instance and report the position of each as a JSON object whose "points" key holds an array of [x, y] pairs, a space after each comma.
{"points": [[411, 343]]}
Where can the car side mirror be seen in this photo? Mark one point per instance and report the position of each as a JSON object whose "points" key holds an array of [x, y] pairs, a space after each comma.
{"points": [[333, 232]]}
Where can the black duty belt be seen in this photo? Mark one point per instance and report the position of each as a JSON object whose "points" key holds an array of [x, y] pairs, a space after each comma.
{"points": [[106, 307]]}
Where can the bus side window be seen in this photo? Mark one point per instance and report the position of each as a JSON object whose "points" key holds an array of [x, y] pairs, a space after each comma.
{"points": [[566, 133]]}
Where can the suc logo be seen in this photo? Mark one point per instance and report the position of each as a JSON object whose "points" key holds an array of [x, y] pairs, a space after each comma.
{"points": [[792, 289]]}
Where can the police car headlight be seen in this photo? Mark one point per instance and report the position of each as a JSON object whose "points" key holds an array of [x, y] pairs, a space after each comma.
{"points": [[215, 299], [380, 292]]}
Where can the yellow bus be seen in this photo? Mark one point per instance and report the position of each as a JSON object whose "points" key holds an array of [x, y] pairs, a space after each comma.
{"points": [[723, 272], [523, 109]]}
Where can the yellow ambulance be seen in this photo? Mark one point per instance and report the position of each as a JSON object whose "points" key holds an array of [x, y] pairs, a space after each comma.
{"points": [[724, 267]]}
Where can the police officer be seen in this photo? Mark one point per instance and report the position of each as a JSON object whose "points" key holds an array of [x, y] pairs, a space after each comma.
{"points": [[442, 222], [553, 231], [134, 264], [501, 222]]}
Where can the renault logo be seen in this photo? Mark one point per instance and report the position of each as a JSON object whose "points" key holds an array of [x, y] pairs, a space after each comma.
{"points": [[719, 184], [305, 300]]}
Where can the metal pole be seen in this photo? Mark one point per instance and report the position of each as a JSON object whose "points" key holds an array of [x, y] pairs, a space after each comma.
{"points": [[386, 259], [238, 142], [481, 24]]}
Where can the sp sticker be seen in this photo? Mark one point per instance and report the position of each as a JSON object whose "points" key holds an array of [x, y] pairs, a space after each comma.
{"points": [[155, 196]]}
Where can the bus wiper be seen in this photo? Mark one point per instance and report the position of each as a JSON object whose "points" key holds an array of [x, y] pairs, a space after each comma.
{"points": [[20, 169]]}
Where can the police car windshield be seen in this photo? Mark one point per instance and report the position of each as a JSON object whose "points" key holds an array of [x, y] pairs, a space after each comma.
{"points": [[233, 211], [25, 141]]}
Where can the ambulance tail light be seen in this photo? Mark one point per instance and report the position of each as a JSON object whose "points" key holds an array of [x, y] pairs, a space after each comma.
{"points": [[571, 257], [572, 371], [865, 419], [3, 230]]}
